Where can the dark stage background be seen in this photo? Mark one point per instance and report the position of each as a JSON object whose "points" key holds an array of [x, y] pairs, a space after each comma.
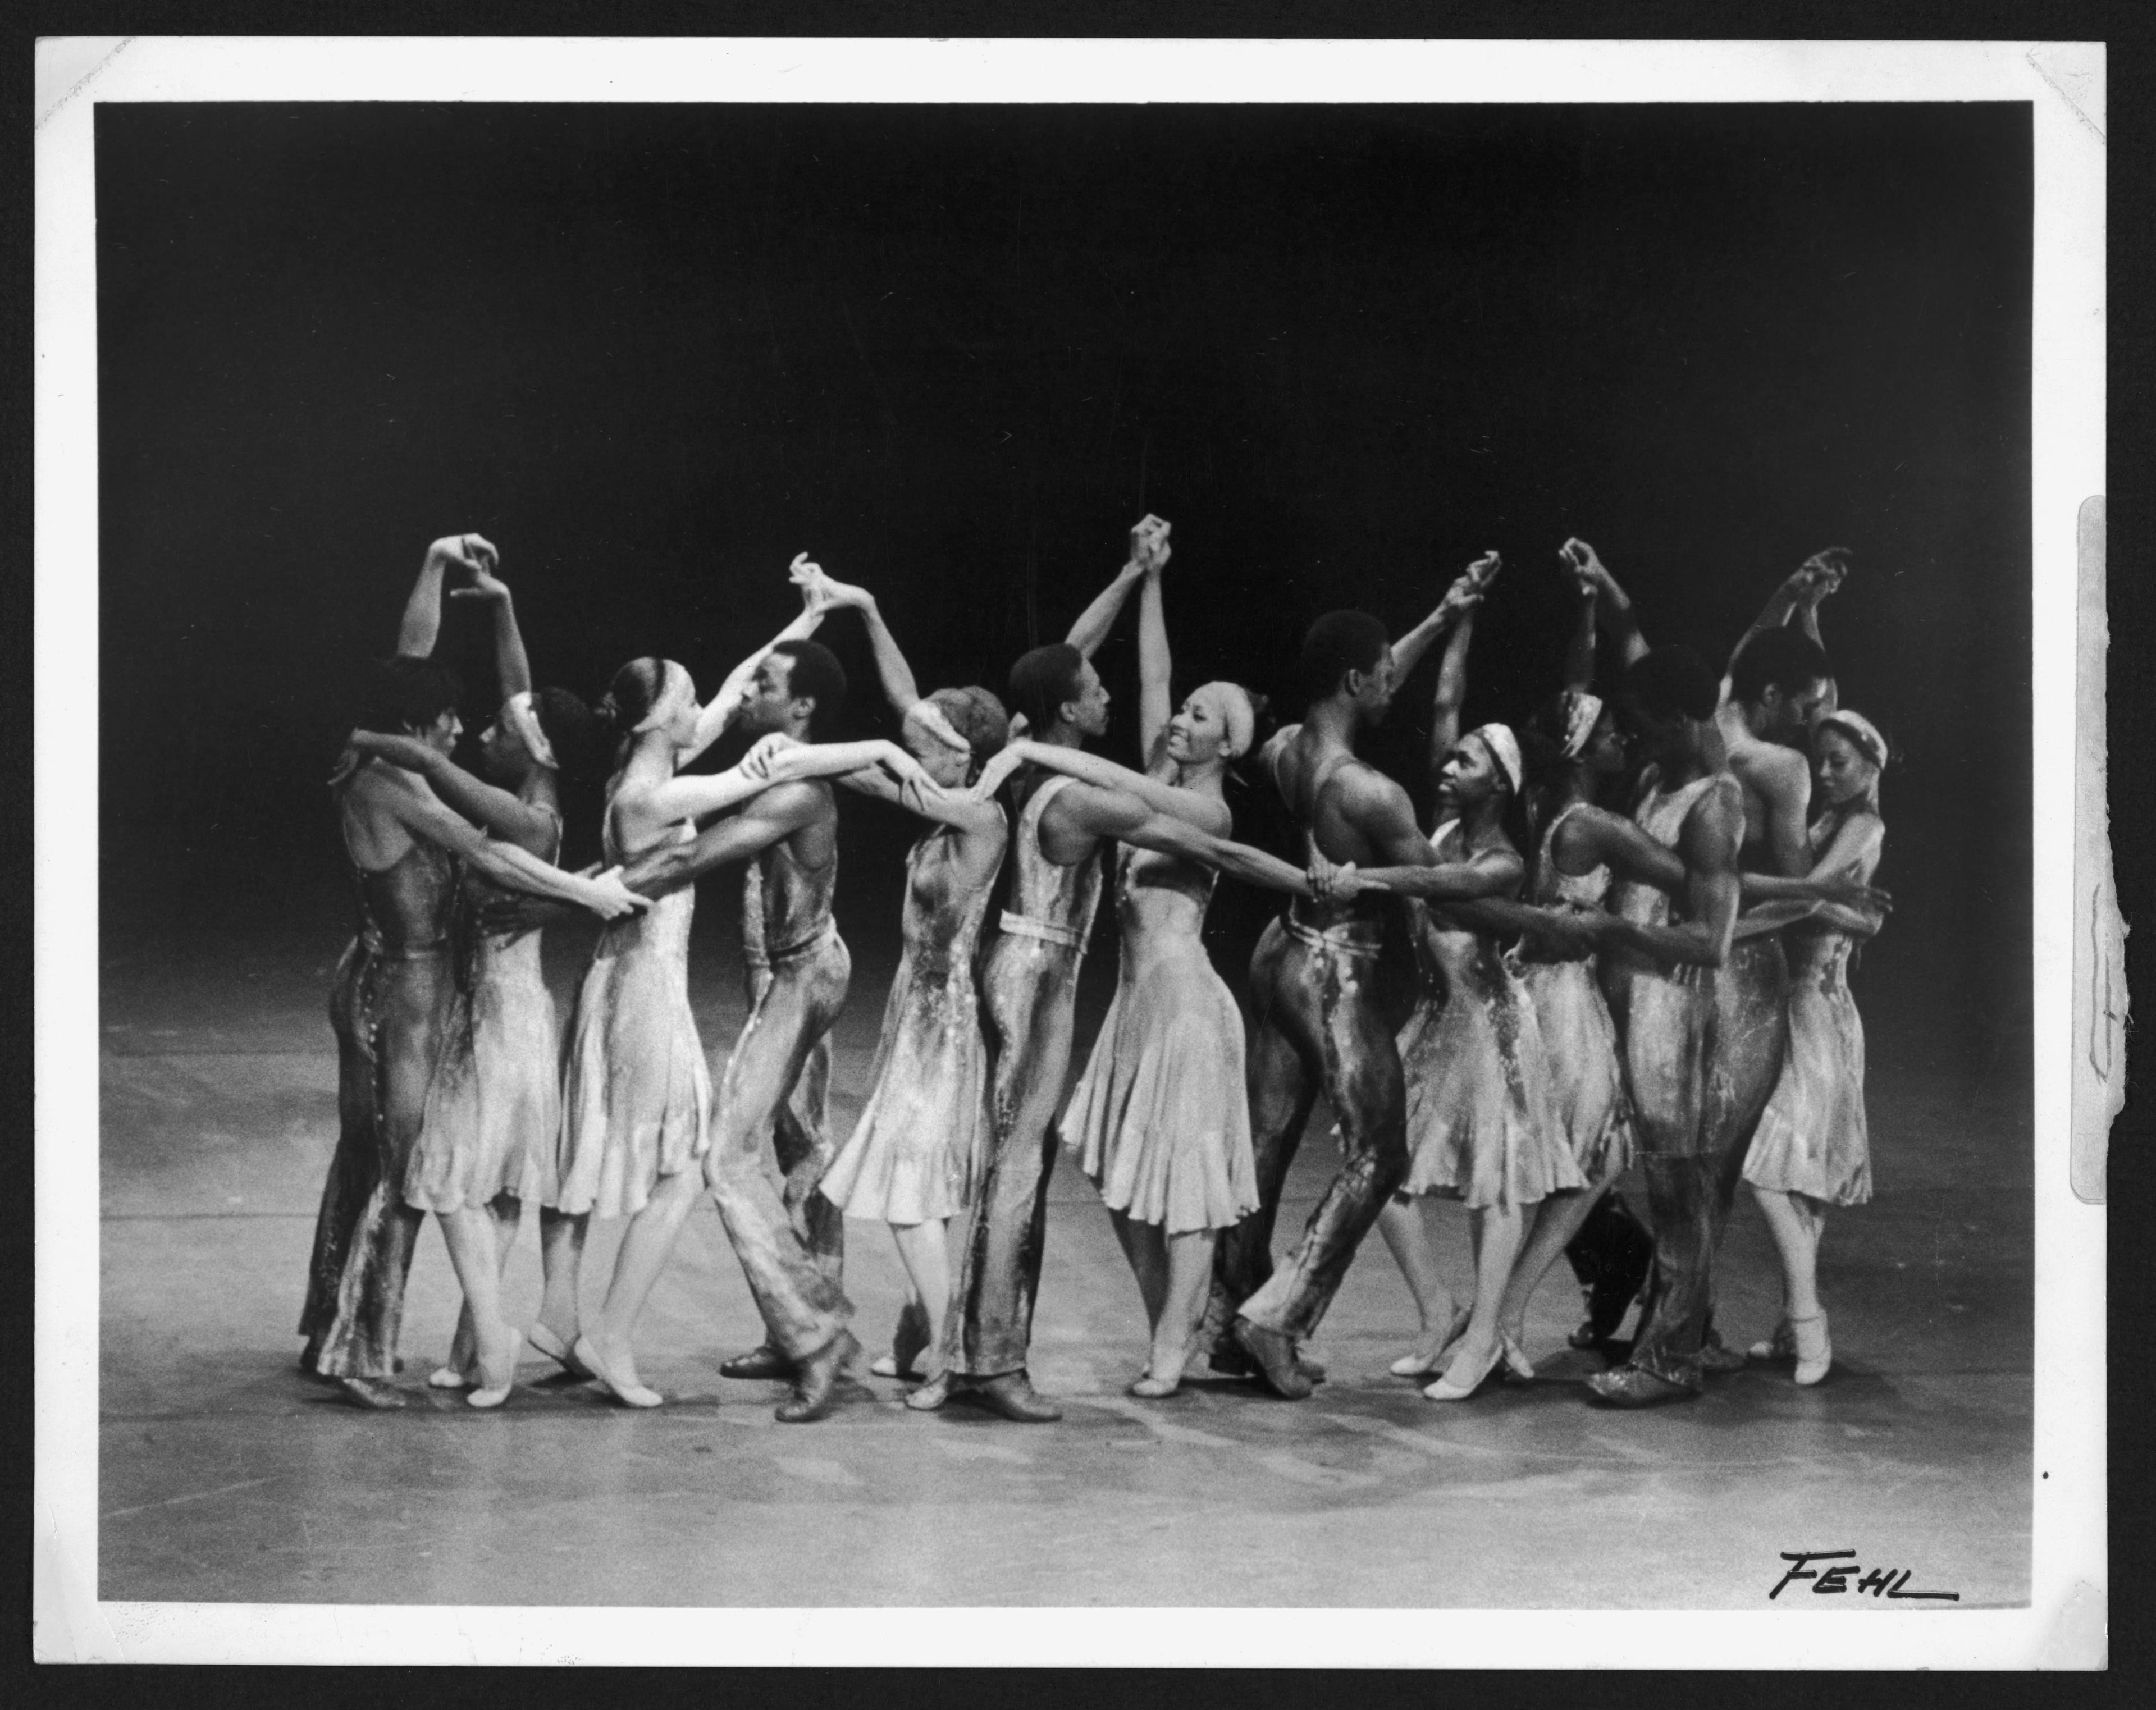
{"points": [[654, 351]]}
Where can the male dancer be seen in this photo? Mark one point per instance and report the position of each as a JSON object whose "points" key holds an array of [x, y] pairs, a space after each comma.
{"points": [[1030, 982], [790, 1252], [1701, 1050], [1317, 1019]]}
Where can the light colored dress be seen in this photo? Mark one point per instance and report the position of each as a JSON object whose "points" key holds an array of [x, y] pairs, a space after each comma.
{"points": [[922, 1140], [636, 1095], [1812, 1138], [494, 1108], [1579, 1040], [1481, 1126], [1158, 1120]]}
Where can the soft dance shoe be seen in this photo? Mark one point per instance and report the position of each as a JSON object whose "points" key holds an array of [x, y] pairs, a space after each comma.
{"points": [[1635, 1386], [628, 1393], [1273, 1352], [1413, 1365], [1780, 1345], [816, 1381], [1518, 1367], [448, 1377], [763, 1362], [932, 1395], [494, 1394], [1814, 1349], [1464, 1377], [541, 1340]]}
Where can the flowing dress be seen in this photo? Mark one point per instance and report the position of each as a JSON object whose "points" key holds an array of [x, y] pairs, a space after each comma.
{"points": [[1481, 1126], [1579, 1040], [636, 1094], [1159, 1121], [391, 1008], [917, 1150], [494, 1109]]}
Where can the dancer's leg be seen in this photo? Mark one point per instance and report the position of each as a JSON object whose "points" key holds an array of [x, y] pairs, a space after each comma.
{"points": [[646, 1244], [561, 1267], [923, 1248], [1146, 1246], [1189, 1275], [1405, 1225], [504, 1212], [1498, 1230], [1793, 1232], [1557, 1220], [469, 1234]]}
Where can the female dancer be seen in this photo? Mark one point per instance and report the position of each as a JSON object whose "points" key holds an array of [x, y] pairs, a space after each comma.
{"points": [[495, 1104], [1480, 1126], [394, 1010], [915, 1154], [1810, 1150], [1158, 1120], [636, 1094]]}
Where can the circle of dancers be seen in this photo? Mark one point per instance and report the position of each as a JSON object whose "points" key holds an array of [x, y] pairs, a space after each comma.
{"points": [[1631, 923]]}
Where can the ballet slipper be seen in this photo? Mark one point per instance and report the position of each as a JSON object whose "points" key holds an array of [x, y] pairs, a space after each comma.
{"points": [[932, 1395], [1780, 1345], [629, 1394], [1518, 1367], [1149, 1388], [541, 1340], [1273, 1352], [1465, 1376], [816, 1381], [371, 1393], [496, 1392], [1418, 1364], [1814, 1349], [448, 1377]]}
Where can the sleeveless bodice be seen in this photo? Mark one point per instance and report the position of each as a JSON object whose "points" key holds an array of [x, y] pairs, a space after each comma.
{"points": [[409, 907], [494, 950], [785, 906], [1661, 816], [664, 925], [1158, 894], [1451, 957], [1061, 897], [942, 918], [1555, 889]]}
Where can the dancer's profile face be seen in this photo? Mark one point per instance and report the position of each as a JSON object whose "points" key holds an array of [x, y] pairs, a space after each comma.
{"points": [[1470, 776], [1377, 683], [441, 736], [1790, 717], [769, 704], [1843, 772], [1604, 753], [1199, 731], [1087, 710], [501, 751]]}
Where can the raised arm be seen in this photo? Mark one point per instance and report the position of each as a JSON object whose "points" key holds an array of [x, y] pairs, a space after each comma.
{"points": [[1579, 652], [423, 610], [1207, 813], [415, 808], [1154, 668], [1095, 622], [1451, 690], [1613, 606], [720, 710], [772, 818], [512, 664], [1121, 815], [500, 811], [1409, 649]]}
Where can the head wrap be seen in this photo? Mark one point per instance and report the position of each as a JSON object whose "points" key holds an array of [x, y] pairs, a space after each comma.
{"points": [[937, 722], [520, 716], [1237, 711], [677, 687], [1505, 749], [1860, 730], [1582, 712]]}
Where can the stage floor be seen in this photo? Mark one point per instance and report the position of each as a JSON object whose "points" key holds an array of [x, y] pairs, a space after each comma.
{"points": [[227, 1477]]}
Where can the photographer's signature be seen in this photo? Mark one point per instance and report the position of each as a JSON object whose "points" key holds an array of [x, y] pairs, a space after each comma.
{"points": [[1844, 1576]]}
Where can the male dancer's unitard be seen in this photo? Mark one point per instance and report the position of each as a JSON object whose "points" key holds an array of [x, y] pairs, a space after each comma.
{"points": [[1702, 1048], [775, 1083]]}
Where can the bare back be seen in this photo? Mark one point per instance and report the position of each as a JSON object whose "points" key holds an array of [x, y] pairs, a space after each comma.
{"points": [[1331, 794]]}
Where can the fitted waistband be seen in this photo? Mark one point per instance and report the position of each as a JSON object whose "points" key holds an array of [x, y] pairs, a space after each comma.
{"points": [[1025, 926], [1332, 941], [787, 954]]}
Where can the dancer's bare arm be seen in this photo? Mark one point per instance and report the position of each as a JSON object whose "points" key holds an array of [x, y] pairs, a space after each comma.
{"points": [[1377, 821], [1711, 838], [1155, 667], [1613, 606], [1409, 649], [719, 711], [772, 818], [1782, 779], [1451, 687], [960, 807], [504, 814], [1086, 811], [1579, 652], [1589, 837], [1208, 814], [900, 688], [1798, 597], [1095, 622], [407, 800], [1492, 873], [775, 760], [423, 610], [512, 665]]}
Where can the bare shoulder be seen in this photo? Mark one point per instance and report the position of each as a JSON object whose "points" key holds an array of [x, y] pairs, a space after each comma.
{"points": [[1770, 768]]}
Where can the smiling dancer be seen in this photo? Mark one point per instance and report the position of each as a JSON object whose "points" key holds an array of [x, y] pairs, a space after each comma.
{"points": [[917, 1150], [393, 1008], [1030, 982], [1158, 1120]]}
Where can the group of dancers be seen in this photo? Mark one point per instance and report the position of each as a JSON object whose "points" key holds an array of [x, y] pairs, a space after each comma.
{"points": [[1597, 987]]}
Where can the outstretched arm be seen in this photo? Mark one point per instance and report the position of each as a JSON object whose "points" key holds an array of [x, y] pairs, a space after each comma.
{"points": [[960, 807], [772, 818], [1493, 873], [505, 814], [415, 808], [1121, 815], [1095, 622], [1613, 606], [512, 664], [423, 610], [720, 710], [1207, 813], [1409, 649], [771, 762]]}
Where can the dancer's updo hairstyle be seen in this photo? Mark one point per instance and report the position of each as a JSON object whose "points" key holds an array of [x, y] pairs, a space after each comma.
{"points": [[978, 717], [627, 703], [570, 729]]}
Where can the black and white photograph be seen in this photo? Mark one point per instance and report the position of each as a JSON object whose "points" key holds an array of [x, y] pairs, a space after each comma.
{"points": [[980, 833]]}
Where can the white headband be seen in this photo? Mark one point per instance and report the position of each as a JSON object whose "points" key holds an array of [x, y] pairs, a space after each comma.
{"points": [[520, 716], [1860, 730], [937, 722], [1582, 712], [1237, 711], [1505, 749]]}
